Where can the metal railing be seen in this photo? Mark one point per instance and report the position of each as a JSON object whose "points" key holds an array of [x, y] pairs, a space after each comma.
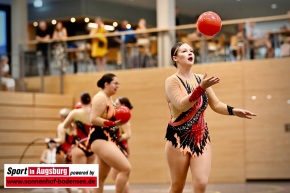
{"points": [[73, 54]]}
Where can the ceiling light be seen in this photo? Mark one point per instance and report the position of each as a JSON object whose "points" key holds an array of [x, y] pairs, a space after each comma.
{"points": [[274, 6], [72, 19], [128, 26], [87, 19], [115, 24], [53, 22], [37, 3], [35, 24]]}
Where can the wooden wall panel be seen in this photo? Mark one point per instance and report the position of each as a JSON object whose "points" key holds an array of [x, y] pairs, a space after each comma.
{"points": [[29, 112], [33, 84], [15, 138], [46, 112], [29, 160], [16, 112], [28, 125], [53, 100], [17, 150], [25, 117], [267, 142], [8, 98]]}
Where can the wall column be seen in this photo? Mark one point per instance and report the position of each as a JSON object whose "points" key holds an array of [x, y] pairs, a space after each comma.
{"points": [[165, 18], [18, 33]]}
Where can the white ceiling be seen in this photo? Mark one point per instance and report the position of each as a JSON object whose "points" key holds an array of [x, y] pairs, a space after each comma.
{"points": [[227, 9]]}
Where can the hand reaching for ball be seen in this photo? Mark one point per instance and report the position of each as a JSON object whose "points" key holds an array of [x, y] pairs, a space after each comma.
{"points": [[208, 82]]}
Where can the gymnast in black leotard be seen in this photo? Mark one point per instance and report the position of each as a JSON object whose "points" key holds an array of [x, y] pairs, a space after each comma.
{"points": [[124, 136], [188, 144], [104, 134], [81, 154]]}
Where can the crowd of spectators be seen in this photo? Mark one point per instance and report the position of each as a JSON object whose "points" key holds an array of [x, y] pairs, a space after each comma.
{"points": [[135, 48]]}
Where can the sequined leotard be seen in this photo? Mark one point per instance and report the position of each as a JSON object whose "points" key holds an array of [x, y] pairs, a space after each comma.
{"points": [[82, 134], [106, 133], [123, 145], [189, 131], [66, 146]]}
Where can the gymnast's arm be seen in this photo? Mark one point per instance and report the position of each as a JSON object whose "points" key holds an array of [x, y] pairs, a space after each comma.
{"points": [[127, 131], [99, 106], [215, 104], [175, 95], [224, 109], [67, 123], [60, 134]]}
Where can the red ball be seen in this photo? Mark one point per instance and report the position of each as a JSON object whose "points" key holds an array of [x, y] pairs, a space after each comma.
{"points": [[78, 105], [209, 23], [122, 113]]}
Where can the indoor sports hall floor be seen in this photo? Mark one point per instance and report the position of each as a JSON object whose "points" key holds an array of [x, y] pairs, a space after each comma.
{"points": [[251, 187]]}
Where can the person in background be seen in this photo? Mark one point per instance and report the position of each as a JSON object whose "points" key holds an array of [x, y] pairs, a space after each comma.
{"points": [[125, 135], [48, 155], [257, 40], [5, 75], [187, 137], [126, 42], [285, 47], [60, 32], [104, 134], [99, 45], [65, 139], [59, 36], [284, 38], [43, 37], [241, 42], [143, 43], [80, 118]]}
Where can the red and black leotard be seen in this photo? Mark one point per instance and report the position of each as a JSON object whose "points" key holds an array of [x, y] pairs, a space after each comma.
{"points": [[66, 145], [189, 131], [108, 133], [82, 134]]}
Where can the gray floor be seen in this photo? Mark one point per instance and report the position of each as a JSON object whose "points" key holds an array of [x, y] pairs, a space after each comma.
{"points": [[257, 187]]}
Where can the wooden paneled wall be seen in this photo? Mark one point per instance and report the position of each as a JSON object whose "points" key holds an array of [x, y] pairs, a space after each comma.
{"points": [[267, 142], [24, 118], [242, 149]]}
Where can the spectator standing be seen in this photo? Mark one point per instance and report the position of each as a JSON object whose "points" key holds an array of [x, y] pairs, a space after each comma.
{"points": [[241, 42], [257, 40], [60, 32], [59, 36], [126, 42], [143, 43], [43, 37], [99, 45]]}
